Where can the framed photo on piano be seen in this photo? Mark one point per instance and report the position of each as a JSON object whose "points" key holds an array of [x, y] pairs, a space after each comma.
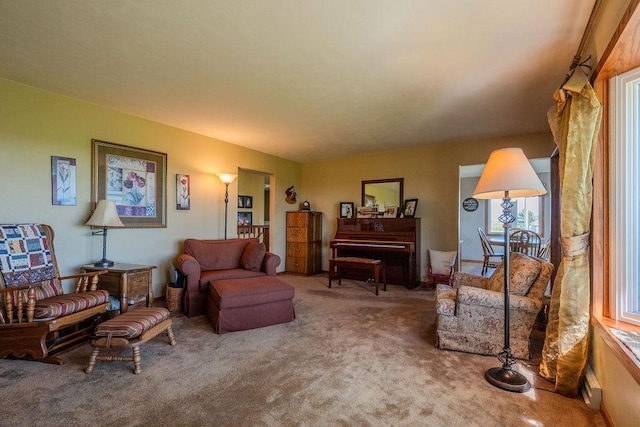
{"points": [[390, 212], [346, 210], [410, 207]]}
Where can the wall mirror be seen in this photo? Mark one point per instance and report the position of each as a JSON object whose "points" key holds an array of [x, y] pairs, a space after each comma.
{"points": [[382, 193]]}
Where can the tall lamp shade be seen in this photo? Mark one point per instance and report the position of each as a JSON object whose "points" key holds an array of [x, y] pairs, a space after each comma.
{"points": [[507, 174], [105, 215], [226, 178]]}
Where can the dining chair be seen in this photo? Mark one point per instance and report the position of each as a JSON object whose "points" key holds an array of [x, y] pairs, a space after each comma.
{"points": [[526, 242], [488, 252], [545, 250]]}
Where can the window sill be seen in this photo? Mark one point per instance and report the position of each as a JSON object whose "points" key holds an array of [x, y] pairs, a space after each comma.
{"points": [[630, 361]]}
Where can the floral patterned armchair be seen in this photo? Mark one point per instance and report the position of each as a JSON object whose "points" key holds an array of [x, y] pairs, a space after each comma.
{"points": [[470, 312]]}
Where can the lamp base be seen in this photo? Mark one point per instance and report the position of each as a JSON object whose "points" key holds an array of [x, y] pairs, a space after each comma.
{"points": [[103, 263], [507, 379]]}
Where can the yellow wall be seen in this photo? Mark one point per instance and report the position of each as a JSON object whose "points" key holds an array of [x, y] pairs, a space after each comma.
{"points": [[430, 174], [620, 391], [35, 125]]}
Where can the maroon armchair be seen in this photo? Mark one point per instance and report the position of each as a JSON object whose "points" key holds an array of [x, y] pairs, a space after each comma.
{"points": [[207, 260]]}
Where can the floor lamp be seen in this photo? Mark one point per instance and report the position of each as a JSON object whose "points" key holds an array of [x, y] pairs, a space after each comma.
{"points": [[507, 174], [226, 178], [104, 216]]}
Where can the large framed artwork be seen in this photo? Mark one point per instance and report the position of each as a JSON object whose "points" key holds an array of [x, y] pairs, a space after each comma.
{"points": [[135, 179]]}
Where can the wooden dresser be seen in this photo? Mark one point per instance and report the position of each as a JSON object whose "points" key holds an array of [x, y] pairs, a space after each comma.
{"points": [[304, 242]]}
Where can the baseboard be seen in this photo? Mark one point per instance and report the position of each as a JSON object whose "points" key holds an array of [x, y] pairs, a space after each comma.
{"points": [[591, 390], [605, 415]]}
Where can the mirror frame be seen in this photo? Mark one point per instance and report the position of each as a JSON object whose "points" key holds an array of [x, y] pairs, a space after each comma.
{"points": [[400, 181]]}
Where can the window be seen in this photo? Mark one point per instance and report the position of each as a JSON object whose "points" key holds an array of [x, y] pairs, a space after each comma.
{"points": [[527, 210], [624, 196]]}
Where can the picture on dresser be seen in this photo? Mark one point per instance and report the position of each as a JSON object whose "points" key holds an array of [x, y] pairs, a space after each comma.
{"points": [[410, 207], [390, 212], [346, 210]]}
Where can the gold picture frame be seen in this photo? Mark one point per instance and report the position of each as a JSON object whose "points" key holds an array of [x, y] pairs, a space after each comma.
{"points": [[135, 179]]}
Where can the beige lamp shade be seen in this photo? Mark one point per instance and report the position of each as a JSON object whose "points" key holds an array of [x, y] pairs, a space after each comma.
{"points": [[227, 178], [508, 169], [105, 215]]}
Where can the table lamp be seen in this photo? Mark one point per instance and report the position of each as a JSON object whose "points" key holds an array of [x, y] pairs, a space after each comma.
{"points": [[507, 174], [104, 216]]}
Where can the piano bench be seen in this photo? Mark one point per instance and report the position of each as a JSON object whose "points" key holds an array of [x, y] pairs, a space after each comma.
{"points": [[374, 265]]}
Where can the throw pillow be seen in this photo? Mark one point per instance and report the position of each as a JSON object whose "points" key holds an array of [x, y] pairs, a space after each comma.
{"points": [[523, 272], [441, 262], [252, 256]]}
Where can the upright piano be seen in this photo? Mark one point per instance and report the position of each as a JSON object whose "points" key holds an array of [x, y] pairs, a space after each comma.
{"points": [[396, 241]]}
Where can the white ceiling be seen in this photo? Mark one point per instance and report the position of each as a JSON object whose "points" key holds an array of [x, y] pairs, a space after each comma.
{"points": [[303, 79]]}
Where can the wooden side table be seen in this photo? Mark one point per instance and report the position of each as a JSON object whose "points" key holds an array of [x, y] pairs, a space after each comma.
{"points": [[127, 282]]}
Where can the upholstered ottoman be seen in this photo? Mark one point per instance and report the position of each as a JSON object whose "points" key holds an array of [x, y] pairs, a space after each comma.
{"points": [[253, 302], [130, 330]]}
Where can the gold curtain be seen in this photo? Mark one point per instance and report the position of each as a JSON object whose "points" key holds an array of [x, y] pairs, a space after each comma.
{"points": [[574, 122]]}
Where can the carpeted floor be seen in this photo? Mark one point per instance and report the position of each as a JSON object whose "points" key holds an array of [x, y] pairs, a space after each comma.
{"points": [[350, 358]]}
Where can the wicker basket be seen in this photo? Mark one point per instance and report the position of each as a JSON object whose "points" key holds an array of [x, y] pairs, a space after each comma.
{"points": [[174, 298]]}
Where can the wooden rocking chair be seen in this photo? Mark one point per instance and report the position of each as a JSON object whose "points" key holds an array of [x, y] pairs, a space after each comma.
{"points": [[36, 318]]}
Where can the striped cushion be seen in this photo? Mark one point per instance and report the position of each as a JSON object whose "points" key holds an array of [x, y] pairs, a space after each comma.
{"points": [[133, 323], [63, 305]]}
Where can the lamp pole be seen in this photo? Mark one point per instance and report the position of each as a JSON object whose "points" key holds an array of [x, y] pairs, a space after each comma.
{"points": [[226, 178], [226, 206], [505, 377]]}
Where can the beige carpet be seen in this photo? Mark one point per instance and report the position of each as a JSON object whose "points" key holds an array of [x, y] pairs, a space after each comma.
{"points": [[349, 359]]}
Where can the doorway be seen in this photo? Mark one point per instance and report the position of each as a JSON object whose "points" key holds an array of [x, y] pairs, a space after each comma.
{"points": [[254, 205], [472, 215]]}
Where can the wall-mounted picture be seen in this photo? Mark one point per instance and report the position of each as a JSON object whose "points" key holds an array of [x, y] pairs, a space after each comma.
{"points": [[245, 202], [390, 212], [245, 218], [183, 192], [63, 181], [135, 179], [410, 207], [346, 210]]}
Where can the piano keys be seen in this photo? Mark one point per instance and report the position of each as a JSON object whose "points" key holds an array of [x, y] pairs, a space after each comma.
{"points": [[396, 241]]}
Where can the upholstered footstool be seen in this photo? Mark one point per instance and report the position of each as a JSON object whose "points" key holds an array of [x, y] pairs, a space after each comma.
{"points": [[129, 330], [253, 302]]}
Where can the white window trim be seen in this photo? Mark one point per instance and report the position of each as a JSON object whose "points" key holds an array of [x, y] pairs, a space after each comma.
{"points": [[624, 197]]}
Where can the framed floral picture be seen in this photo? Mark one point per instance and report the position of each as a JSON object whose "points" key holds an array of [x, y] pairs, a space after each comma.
{"points": [[63, 181], [135, 179], [183, 192]]}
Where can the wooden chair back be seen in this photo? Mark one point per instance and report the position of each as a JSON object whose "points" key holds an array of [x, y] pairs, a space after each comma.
{"points": [[487, 249], [526, 242]]}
